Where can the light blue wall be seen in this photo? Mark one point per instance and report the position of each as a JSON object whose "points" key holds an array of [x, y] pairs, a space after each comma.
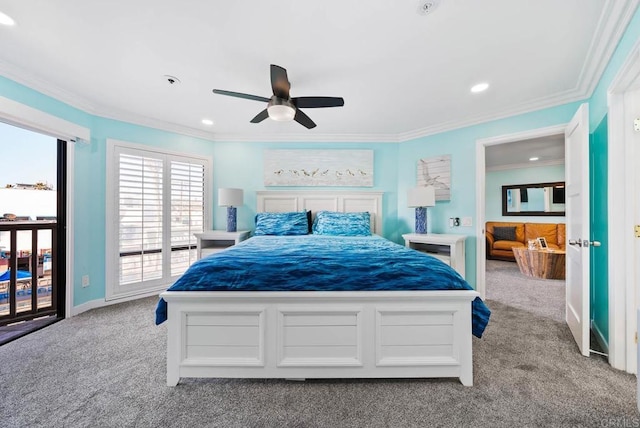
{"points": [[461, 144], [235, 164], [241, 165], [494, 180]]}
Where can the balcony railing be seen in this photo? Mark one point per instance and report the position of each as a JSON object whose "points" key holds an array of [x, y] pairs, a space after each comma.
{"points": [[27, 270]]}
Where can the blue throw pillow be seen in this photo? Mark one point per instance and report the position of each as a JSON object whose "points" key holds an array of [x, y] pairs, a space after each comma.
{"points": [[290, 223], [342, 224]]}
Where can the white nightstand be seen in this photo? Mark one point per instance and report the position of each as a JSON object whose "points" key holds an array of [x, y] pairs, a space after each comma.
{"points": [[448, 248], [212, 241]]}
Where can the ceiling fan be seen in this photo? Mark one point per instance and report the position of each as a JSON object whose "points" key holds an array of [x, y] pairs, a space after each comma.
{"points": [[281, 106]]}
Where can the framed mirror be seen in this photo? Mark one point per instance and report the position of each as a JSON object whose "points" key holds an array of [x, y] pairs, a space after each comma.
{"points": [[539, 199]]}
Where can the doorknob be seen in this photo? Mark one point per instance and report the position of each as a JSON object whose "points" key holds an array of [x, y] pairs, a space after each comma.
{"points": [[584, 243]]}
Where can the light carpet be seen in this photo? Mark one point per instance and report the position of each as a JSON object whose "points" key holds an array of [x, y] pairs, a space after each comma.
{"points": [[106, 368]]}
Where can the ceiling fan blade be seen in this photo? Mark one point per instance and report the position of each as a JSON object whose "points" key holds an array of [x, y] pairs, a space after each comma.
{"points": [[260, 116], [304, 120], [280, 82], [241, 95], [317, 102]]}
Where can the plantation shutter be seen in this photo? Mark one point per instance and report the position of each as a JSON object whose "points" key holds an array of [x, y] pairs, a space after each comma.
{"points": [[140, 207], [187, 213], [160, 204]]}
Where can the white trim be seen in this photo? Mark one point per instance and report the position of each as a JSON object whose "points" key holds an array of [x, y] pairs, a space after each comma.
{"points": [[604, 42], [100, 303], [481, 146], [21, 115], [111, 223], [622, 287]]}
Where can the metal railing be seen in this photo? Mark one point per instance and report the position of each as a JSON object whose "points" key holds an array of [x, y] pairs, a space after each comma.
{"points": [[27, 274]]}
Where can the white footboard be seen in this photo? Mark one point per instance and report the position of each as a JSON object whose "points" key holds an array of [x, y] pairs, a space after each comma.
{"points": [[311, 334]]}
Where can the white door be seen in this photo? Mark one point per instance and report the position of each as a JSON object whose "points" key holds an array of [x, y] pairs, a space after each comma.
{"points": [[577, 211]]}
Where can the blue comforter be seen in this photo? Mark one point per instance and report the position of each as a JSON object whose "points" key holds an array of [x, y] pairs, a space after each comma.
{"points": [[321, 263]]}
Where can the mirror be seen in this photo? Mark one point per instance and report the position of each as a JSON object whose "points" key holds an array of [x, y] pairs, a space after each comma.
{"points": [[533, 199]]}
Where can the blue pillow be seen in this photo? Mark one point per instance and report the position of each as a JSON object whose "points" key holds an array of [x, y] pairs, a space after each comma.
{"points": [[290, 223], [342, 224]]}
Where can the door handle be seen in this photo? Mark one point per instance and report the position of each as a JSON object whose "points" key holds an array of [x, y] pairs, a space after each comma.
{"points": [[584, 243]]}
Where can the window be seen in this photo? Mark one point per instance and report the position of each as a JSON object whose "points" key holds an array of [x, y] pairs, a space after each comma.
{"points": [[159, 200]]}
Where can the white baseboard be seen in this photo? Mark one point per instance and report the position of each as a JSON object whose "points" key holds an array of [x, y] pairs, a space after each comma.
{"points": [[99, 303]]}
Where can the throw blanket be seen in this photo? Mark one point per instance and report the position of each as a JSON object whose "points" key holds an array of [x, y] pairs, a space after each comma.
{"points": [[321, 263]]}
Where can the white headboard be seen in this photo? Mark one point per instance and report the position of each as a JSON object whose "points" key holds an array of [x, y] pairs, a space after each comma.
{"points": [[340, 201]]}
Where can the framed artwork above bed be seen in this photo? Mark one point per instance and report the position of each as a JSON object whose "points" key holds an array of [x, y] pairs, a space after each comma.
{"points": [[352, 168]]}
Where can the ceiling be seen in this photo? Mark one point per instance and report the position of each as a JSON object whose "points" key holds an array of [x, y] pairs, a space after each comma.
{"points": [[402, 74], [549, 151]]}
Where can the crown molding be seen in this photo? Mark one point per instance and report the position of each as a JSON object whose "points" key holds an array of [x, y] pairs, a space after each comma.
{"points": [[611, 26], [528, 107]]}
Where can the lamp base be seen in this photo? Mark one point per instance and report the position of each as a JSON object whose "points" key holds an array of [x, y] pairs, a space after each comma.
{"points": [[421, 220], [231, 219]]}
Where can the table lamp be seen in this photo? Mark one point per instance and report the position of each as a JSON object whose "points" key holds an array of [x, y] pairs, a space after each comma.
{"points": [[421, 198], [230, 198]]}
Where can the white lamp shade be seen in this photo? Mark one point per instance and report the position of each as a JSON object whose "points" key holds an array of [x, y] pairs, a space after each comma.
{"points": [[230, 197], [421, 197]]}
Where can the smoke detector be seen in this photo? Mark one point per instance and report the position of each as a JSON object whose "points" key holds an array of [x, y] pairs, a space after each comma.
{"points": [[173, 80], [426, 7]]}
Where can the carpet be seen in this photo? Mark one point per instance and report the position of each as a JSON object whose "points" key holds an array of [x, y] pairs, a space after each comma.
{"points": [[106, 368]]}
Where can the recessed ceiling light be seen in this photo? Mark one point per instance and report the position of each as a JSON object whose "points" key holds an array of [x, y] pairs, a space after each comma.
{"points": [[533, 159], [6, 19], [479, 87], [207, 122]]}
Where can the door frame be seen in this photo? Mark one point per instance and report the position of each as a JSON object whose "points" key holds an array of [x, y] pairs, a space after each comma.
{"points": [[622, 182], [481, 172], [21, 115]]}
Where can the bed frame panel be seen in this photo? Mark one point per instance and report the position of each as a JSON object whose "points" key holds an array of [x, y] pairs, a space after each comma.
{"points": [[320, 334], [298, 335]]}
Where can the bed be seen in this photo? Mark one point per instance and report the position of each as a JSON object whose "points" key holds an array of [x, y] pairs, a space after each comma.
{"points": [[388, 317]]}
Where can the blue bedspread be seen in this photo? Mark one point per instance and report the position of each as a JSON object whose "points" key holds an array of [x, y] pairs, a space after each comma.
{"points": [[321, 263]]}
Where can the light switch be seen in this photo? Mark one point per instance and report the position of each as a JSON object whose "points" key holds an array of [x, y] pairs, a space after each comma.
{"points": [[467, 221]]}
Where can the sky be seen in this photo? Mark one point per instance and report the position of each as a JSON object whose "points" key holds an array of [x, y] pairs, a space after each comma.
{"points": [[26, 156]]}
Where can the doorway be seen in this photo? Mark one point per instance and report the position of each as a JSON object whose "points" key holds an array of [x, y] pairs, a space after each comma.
{"points": [[481, 199], [524, 184], [32, 232]]}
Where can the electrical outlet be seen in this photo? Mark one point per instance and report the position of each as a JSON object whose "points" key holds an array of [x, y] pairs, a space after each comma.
{"points": [[85, 280], [467, 221]]}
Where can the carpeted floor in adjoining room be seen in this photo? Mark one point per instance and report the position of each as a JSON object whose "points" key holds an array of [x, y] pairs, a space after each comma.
{"points": [[106, 368]]}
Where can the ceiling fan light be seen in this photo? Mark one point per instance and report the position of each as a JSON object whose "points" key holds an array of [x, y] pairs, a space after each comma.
{"points": [[281, 113]]}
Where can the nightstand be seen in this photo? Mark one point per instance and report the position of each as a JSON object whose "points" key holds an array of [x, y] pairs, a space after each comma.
{"points": [[213, 241], [448, 248]]}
